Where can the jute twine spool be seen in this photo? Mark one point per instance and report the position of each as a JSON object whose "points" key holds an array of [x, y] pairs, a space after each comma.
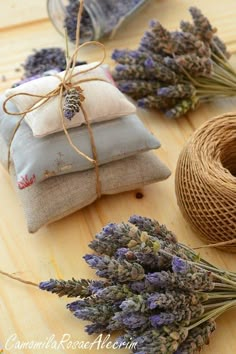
{"points": [[205, 181]]}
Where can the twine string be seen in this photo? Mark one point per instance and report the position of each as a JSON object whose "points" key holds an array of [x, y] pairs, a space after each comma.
{"points": [[65, 84], [218, 244]]}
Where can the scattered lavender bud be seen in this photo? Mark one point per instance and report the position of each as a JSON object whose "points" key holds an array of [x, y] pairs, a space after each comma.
{"points": [[70, 22], [111, 13], [44, 60]]}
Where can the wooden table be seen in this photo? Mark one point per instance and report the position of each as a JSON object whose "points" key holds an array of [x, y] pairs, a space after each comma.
{"points": [[57, 250]]}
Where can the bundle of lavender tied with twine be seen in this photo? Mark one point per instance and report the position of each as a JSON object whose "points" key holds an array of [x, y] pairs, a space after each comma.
{"points": [[175, 71], [162, 295]]}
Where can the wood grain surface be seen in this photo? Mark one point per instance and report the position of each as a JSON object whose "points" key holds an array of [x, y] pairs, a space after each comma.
{"points": [[57, 250]]}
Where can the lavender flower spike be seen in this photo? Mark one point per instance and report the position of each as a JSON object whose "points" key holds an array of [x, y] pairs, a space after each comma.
{"points": [[69, 288]]}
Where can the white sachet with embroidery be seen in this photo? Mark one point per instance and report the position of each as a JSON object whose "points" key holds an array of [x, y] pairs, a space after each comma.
{"points": [[103, 101]]}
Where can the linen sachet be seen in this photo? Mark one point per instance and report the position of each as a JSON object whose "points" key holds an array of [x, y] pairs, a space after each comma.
{"points": [[57, 197]]}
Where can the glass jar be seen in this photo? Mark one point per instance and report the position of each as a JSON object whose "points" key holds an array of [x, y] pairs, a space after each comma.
{"points": [[100, 17]]}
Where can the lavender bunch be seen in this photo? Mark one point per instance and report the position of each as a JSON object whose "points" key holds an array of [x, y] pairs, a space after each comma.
{"points": [[157, 291], [176, 71]]}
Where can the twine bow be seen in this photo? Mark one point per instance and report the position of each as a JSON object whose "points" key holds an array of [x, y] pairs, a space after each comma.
{"points": [[64, 85]]}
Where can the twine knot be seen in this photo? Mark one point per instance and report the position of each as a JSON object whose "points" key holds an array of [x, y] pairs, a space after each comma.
{"points": [[73, 99]]}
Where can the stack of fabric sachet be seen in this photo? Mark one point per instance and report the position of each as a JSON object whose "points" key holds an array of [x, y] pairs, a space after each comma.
{"points": [[51, 178]]}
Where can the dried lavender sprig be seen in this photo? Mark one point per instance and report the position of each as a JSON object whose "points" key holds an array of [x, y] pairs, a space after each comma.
{"points": [[138, 88], [130, 321], [173, 300], [149, 71], [181, 108], [114, 293], [187, 42], [203, 28], [96, 328], [96, 312], [153, 228], [194, 280], [135, 303], [126, 56], [158, 39], [197, 338], [165, 340], [69, 288], [150, 260], [125, 236], [154, 101], [177, 91], [109, 267], [112, 237], [184, 315]]}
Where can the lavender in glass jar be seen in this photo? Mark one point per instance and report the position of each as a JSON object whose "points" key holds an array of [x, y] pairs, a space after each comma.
{"points": [[100, 17]]}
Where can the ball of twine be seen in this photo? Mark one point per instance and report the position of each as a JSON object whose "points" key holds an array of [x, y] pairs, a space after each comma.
{"points": [[205, 181]]}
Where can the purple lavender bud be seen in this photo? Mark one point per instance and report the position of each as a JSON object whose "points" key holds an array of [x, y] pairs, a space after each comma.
{"points": [[179, 265], [109, 228], [142, 103], [68, 114], [133, 304], [153, 23], [121, 67], [73, 306], [163, 318], [170, 114], [163, 91], [134, 320], [127, 86], [121, 252], [95, 328], [138, 286], [48, 285], [93, 260], [118, 54], [96, 285], [149, 63], [152, 301]]}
